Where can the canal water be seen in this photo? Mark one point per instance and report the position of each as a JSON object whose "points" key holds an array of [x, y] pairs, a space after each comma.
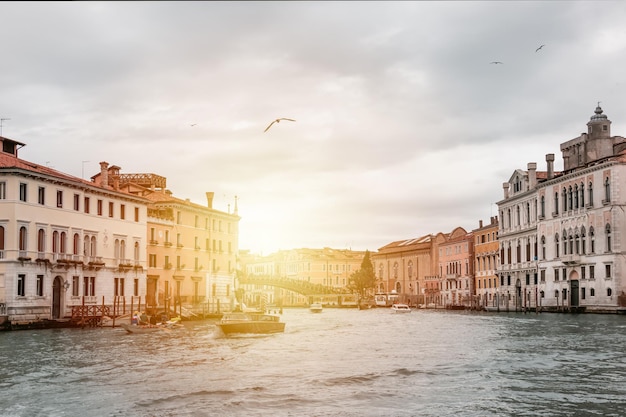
{"points": [[342, 362]]}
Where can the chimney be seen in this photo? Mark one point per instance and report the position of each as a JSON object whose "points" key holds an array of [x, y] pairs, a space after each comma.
{"points": [[480, 224], [550, 161], [532, 175], [104, 174], [209, 199], [505, 187]]}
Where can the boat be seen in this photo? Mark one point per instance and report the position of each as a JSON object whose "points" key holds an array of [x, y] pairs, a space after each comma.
{"points": [[253, 323], [152, 328], [401, 308], [316, 308]]}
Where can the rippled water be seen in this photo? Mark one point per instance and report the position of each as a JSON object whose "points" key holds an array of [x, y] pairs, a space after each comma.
{"points": [[338, 363]]}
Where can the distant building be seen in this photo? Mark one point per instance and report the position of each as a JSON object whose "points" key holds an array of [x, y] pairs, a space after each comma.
{"points": [[486, 263], [562, 235], [456, 269], [326, 267], [65, 242], [405, 266]]}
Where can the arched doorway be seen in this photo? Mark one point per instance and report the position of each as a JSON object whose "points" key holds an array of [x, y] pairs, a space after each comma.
{"points": [[57, 284]]}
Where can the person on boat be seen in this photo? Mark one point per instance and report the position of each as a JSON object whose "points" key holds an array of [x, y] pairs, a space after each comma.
{"points": [[135, 318], [143, 319]]}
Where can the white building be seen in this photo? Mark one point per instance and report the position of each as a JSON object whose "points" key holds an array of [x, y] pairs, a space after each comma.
{"points": [[65, 242], [580, 227]]}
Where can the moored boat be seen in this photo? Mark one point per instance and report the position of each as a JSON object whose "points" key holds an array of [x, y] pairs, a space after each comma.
{"points": [[254, 323], [401, 308]]}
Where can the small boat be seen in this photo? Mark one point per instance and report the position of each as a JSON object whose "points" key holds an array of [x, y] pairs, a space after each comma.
{"points": [[152, 328], [401, 308], [253, 323], [316, 308]]}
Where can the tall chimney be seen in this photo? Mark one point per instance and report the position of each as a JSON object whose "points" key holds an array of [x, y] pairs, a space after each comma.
{"points": [[532, 175], [505, 187], [480, 224], [209, 199], [550, 161], [104, 174]]}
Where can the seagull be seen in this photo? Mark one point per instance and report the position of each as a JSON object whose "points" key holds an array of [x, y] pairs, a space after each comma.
{"points": [[537, 50], [496, 62], [277, 121], [193, 124]]}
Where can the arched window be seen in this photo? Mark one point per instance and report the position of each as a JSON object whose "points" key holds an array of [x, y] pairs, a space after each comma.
{"points": [[543, 206], [607, 190], [582, 194], [63, 242], [556, 203], [583, 241], [86, 247], [380, 271], [609, 292], [518, 216], [116, 250], [564, 242], [577, 240], [508, 213], [543, 247], [608, 237], [23, 243], [395, 270], [76, 245], [590, 194], [136, 252], [92, 249], [571, 244], [2, 238], [410, 271], [527, 213], [576, 196], [41, 242], [570, 202], [556, 246], [55, 242], [564, 195], [528, 250], [592, 240]]}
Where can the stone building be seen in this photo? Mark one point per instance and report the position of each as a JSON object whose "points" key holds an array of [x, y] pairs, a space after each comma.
{"points": [[562, 235], [65, 242], [456, 269], [486, 262]]}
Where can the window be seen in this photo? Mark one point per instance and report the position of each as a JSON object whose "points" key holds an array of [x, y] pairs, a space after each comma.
{"points": [[75, 283], [543, 275], [592, 292], [39, 286], [556, 203], [119, 287], [136, 214], [152, 261], [582, 194], [543, 206], [41, 195], [23, 191], [76, 202], [41, 243], [592, 241], [99, 207], [76, 244], [86, 203], [22, 239], [3, 190], [21, 285], [609, 292], [543, 247], [136, 287], [583, 272], [582, 293], [556, 241], [608, 237], [60, 199], [607, 190], [1, 242], [122, 211], [590, 194], [111, 206], [592, 272], [556, 274], [607, 271]]}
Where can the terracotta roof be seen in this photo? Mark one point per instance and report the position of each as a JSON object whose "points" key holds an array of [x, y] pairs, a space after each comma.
{"points": [[10, 161]]}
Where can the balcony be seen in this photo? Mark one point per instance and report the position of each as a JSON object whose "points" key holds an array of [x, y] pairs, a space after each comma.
{"points": [[570, 260], [167, 244], [154, 242]]}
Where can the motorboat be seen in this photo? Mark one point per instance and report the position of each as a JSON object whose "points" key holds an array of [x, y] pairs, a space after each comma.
{"points": [[401, 308], [254, 323], [316, 308], [152, 328]]}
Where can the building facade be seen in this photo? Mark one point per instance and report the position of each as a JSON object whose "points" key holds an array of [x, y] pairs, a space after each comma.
{"points": [[404, 267], [562, 234], [456, 269], [65, 242], [486, 263]]}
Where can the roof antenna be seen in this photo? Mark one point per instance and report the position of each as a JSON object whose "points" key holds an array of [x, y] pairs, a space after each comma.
{"points": [[2, 120]]}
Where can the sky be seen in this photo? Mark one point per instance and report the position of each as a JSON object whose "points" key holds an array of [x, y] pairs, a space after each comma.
{"points": [[403, 126]]}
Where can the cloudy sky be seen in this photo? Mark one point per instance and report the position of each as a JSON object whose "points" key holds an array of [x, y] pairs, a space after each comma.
{"points": [[403, 126]]}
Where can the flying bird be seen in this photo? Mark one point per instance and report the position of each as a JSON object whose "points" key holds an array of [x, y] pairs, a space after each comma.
{"points": [[537, 50], [193, 124], [277, 121], [496, 62]]}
